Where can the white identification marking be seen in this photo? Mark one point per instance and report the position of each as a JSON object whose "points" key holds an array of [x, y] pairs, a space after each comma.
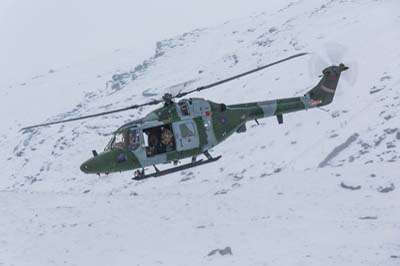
{"points": [[326, 89]]}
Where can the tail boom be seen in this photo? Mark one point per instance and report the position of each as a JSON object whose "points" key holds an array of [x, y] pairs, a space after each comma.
{"points": [[322, 94]]}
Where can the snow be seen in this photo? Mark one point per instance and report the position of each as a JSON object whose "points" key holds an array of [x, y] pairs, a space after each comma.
{"points": [[42, 35], [274, 198]]}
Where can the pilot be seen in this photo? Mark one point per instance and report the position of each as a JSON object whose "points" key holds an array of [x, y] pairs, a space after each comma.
{"points": [[132, 138], [184, 108]]}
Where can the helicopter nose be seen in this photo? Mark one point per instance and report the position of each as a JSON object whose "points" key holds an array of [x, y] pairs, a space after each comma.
{"points": [[85, 168], [109, 162], [88, 166]]}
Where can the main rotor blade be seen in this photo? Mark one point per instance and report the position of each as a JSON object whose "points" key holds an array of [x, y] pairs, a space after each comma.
{"points": [[182, 94], [93, 115]]}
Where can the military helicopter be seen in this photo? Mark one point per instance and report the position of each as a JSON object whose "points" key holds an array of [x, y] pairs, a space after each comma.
{"points": [[192, 126]]}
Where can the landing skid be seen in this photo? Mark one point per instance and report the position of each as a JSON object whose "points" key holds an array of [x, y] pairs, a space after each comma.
{"points": [[140, 174]]}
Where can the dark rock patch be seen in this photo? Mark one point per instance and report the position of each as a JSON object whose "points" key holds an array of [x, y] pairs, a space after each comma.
{"points": [[337, 150], [185, 179], [222, 252], [343, 185], [334, 135], [388, 117], [221, 192], [390, 145], [273, 29], [335, 114], [387, 77], [390, 131], [375, 90], [278, 170], [386, 189], [368, 217]]}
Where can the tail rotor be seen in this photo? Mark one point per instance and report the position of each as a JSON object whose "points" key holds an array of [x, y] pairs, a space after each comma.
{"points": [[333, 54]]}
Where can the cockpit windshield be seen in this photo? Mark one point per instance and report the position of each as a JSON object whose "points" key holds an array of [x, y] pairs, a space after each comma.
{"points": [[121, 140]]}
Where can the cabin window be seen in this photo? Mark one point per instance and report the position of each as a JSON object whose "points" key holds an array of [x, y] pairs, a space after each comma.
{"points": [[183, 106], [187, 130], [158, 140]]}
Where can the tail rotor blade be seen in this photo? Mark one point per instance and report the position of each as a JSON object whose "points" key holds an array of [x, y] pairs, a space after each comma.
{"points": [[316, 64], [335, 52], [351, 75]]}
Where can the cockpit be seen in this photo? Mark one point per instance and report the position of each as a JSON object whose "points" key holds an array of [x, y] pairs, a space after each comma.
{"points": [[128, 138]]}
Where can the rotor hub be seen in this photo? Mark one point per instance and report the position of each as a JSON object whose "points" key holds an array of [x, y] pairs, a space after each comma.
{"points": [[168, 98]]}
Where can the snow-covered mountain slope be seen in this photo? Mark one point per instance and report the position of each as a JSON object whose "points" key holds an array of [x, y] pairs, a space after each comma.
{"points": [[318, 190]]}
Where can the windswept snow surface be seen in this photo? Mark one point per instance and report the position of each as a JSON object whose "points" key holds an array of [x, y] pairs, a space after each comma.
{"points": [[321, 189]]}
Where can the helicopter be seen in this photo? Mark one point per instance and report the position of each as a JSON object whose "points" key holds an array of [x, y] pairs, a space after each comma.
{"points": [[192, 126]]}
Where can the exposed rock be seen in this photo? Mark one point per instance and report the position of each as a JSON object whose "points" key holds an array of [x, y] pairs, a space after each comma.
{"points": [[343, 185], [273, 29], [222, 252], [368, 217], [386, 189], [187, 178], [278, 170], [387, 77], [388, 117], [336, 151], [390, 130], [335, 114], [390, 145], [375, 90], [221, 192]]}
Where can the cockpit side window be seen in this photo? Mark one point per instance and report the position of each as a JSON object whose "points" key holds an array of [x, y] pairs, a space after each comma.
{"points": [[119, 141]]}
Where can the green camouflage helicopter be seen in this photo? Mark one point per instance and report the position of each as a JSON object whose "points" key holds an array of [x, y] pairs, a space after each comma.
{"points": [[191, 127]]}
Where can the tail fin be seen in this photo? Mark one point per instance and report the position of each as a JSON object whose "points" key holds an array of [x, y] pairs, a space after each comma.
{"points": [[323, 93]]}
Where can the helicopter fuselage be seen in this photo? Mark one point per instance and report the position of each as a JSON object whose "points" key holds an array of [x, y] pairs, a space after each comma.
{"points": [[196, 124]]}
